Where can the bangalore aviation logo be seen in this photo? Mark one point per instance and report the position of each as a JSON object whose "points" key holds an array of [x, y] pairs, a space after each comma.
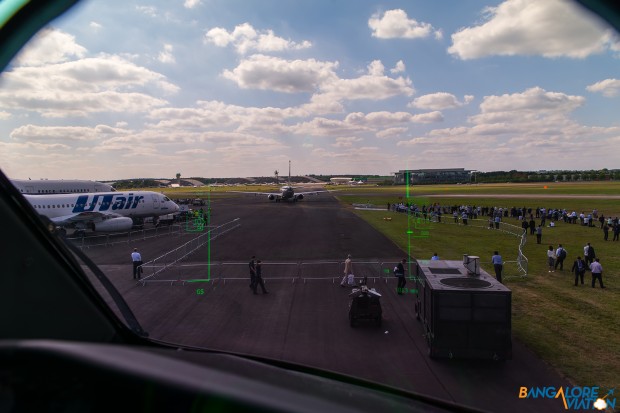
{"points": [[573, 398]]}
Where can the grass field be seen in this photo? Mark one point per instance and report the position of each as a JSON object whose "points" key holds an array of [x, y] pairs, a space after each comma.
{"points": [[574, 329]]}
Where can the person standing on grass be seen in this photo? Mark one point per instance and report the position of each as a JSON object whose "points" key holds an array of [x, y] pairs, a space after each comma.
{"points": [[498, 265], [579, 268], [539, 234], [588, 254], [597, 272], [551, 258], [561, 254]]}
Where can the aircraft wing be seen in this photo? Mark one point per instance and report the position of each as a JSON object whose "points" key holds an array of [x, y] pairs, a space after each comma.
{"points": [[275, 194], [316, 192], [311, 193], [81, 217]]}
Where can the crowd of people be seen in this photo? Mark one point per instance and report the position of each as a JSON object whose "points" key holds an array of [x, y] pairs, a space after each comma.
{"points": [[524, 216], [590, 262], [527, 217]]}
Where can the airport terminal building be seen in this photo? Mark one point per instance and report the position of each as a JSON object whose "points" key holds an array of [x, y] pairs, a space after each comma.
{"points": [[432, 176]]}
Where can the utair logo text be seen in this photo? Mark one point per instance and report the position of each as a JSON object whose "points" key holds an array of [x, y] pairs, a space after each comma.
{"points": [[108, 202]]}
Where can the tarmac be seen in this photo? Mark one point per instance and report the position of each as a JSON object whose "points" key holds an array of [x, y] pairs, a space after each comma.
{"points": [[304, 318]]}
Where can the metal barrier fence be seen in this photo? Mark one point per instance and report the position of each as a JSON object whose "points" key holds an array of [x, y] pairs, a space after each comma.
{"points": [[296, 271], [125, 237], [521, 262], [171, 258]]}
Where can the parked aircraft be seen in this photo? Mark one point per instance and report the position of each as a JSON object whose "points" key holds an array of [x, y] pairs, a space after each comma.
{"points": [[59, 186], [102, 212]]}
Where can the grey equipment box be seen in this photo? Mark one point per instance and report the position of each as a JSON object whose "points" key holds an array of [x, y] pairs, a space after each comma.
{"points": [[464, 315]]}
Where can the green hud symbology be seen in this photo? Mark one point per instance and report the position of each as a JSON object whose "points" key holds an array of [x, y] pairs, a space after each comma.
{"points": [[198, 221], [421, 227]]}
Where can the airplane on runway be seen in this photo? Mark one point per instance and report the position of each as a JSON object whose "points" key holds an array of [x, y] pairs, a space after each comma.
{"points": [[101, 212], [287, 192], [59, 186]]}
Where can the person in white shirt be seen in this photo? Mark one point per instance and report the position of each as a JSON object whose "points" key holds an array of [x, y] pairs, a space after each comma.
{"points": [[349, 278], [597, 272], [137, 262], [551, 258]]}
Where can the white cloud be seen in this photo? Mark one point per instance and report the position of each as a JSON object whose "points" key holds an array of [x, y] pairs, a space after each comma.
{"points": [[510, 128], [273, 73], [327, 127], [194, 151], [368, 87], [147, 10], [396, 24], [534, 102], [382, 120], [390, 132], [608, 87], [346, 142], [399, 68], [245, 38], [50, 46], [102, 84], [64, 133], [439, 101], [190, 4], [95, 26], [166, 56], [550, 28]]}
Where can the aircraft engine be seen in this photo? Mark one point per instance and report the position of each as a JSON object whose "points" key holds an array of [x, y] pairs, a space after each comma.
{"points": [[300, 197], [271, 197], [113, 225]]}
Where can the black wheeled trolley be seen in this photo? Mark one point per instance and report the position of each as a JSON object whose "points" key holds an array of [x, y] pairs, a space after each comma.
{"points": [[365, 306]]}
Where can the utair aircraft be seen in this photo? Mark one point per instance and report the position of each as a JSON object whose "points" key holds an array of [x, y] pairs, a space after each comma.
{"points": [[101, 212], [287, 192]]}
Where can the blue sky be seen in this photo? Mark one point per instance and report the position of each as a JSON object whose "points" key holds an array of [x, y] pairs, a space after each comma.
{"points": [[221, 88]]}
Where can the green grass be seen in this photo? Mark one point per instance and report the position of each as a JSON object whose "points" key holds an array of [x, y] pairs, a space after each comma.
{"points": [[574, 329], [552, 188]]}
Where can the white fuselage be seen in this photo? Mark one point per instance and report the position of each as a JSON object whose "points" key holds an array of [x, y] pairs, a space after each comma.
{"points": [[135, 204], [59, 186]]}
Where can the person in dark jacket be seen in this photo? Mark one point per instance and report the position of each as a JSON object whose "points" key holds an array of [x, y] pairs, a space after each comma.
{"points": [[579, 268], [258, 279], [400, 273]]}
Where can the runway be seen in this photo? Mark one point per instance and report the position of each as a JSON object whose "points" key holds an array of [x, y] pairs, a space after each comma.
{"points": [[304, 319]]}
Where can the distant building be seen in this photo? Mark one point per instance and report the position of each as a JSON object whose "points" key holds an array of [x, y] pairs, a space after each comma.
{"points": [[432, 176]]}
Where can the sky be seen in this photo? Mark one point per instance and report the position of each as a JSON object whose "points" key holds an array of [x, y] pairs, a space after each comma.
{"points": [[231, 88]]}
